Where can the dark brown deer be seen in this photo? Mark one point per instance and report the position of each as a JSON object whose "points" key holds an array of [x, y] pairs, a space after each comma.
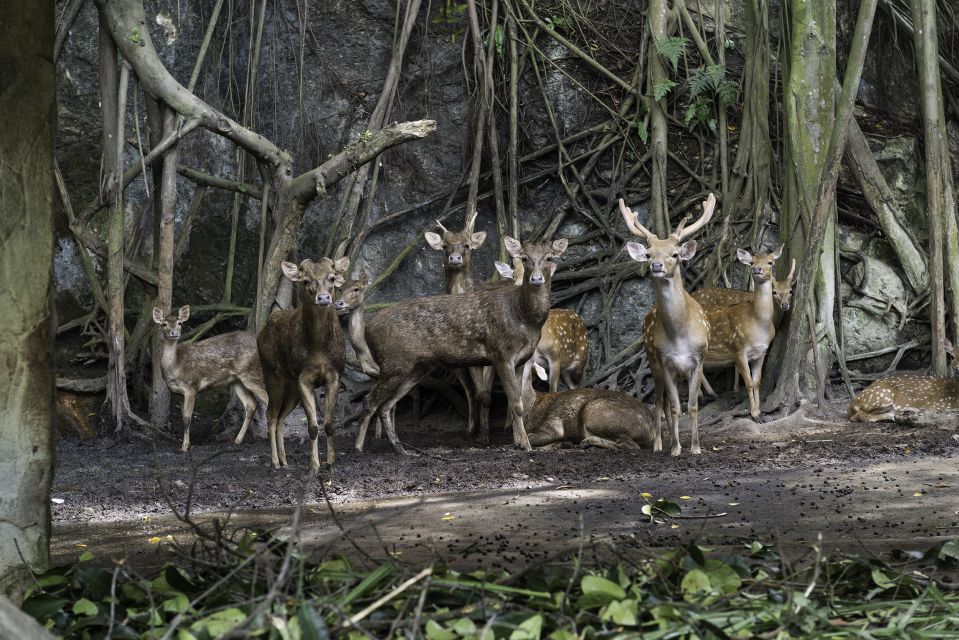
{"points": [[497, 326], [349, 304], [300, 349], [675, 331], [457, 248], [587, 417], [227, 359]]}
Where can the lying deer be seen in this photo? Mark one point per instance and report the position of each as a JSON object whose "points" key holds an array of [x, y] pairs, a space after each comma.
{"points": [[458, 247], [563, 348], [740, 334], [782, 300], [300, 349], [227, 359], [884, 399], [588, 417], [675, 331], [497, 326]]}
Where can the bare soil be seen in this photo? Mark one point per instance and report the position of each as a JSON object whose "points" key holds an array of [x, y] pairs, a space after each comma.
{"points": [[877, 486]]}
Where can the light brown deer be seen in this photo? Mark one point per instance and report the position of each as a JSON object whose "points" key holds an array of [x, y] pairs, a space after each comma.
{"points": [[563, 348], [675, 331], [226, 359], [497, 326], [458, 247], [349, 304], [588, 417], [740, 334], [300, 349], [884, 399], [782, 295]]}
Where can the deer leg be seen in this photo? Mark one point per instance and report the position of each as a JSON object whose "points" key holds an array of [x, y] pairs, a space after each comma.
{"points": [[189, 397], [291, 396], [329, 409], [277, 397], [481, 401], [307, 397], [675, 410], [381, 390], [694, 381], [553, 375], [463, 376], [658, 410], [605, 443], [249, 408], [386, 410], [757, 380], [547, 433], [743, 365], [507, 375]]}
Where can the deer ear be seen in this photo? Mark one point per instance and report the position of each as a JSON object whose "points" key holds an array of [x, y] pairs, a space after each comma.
{"points": [[157, 315], [687, 250], [946, 343], [744, 256], [184, 313], [778, 252], [637, 252], [291, 271], [504, 270], [477, 239], [364, 277], [342, 264], [513, 246], [559, 247], [540, 371], [434, 240]]}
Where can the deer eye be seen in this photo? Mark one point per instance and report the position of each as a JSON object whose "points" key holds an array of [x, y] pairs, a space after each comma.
{"points": [[676, 255], [355, 289]]}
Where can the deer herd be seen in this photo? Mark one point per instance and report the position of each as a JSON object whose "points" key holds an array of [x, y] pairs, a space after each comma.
{"points": [[477, 328]]}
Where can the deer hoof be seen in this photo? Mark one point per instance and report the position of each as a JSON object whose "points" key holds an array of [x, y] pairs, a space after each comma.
{"points": [[695, 451], [676, 451], [398, 448]]}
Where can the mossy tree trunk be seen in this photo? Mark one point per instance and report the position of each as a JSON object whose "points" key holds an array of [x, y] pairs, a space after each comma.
{"points": [[27, 98], [659, 127]]}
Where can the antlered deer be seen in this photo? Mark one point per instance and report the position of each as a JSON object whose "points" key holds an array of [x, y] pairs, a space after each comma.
{"points": [[497, 326], [675, 330], [740, 334], [588, 417], [884, 399], [301, 348], [458, 247], [227, 359]]}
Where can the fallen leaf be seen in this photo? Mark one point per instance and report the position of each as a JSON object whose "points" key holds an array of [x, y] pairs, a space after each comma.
{"points": [[154, 540], [602, 479], [685, 498], [646, 494], [80, 545], [448, 516], [395, 554], [733, 504], [169, 538], [674, 526], [917, 494], [564, 486], [56, 500]]}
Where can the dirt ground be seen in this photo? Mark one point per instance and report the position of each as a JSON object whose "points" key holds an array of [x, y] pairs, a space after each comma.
{"points": [[879, 486]]}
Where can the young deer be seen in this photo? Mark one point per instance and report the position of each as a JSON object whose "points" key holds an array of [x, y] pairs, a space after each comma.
{"points": [[883, 399], [227, 359], [301, 348], [588, 417], [782, 295], [497, 326], [675, 330], [458, 248], [740, 334], [564, 345], [349, 304]]}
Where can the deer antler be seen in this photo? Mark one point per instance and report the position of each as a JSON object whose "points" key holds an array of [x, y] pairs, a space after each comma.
{"points": [[792, 270], [632, 221], [341, 249], [471, 221], [442, 228], [709, 205]]}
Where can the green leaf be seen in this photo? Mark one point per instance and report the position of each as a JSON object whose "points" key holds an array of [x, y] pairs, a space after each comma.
{"points": [[881, 579], [464, 627], [728, 93], [562, 634], [177, 604], [499, 39], [642, 132], [435, 631], [312, 625], [722, 577], [219, 623], [622, 612], [43, 607], [84, 607], [598, 591], [949, 551], [671, 49], [661, 89], [95, 581], [86, 556], [529, 629], [694, 583]]}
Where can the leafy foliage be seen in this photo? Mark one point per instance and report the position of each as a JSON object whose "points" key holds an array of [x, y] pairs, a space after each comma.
{"points": [[671, 49], [705, 84], [683, 592], [662, 88]]}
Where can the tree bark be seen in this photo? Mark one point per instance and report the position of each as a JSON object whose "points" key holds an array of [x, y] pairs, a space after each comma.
{"points": [[160, 394], [659, 128], [27, 98], [940, 199], [787, 387]]}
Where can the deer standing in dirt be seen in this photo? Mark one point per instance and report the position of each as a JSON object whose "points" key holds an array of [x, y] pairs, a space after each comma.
{"points": [[227, 359], [675, 331], [349, 304], [458, 247], [883, 399], [300, 349], [563, 348], [497, 326], [587, 417], [782, 300], [740, 334]]}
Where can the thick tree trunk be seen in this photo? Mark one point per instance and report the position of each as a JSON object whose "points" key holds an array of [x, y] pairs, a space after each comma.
{"points": [[27, 98], [658, 215], [940, 199], [160, 395], [816, 249]]}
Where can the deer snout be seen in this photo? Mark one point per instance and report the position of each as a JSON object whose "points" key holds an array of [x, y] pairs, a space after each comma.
{"points": [[536, 279], [657, 266], [456, 259], [174, 333], [323, 298], [340, 305], [784, 305]]}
